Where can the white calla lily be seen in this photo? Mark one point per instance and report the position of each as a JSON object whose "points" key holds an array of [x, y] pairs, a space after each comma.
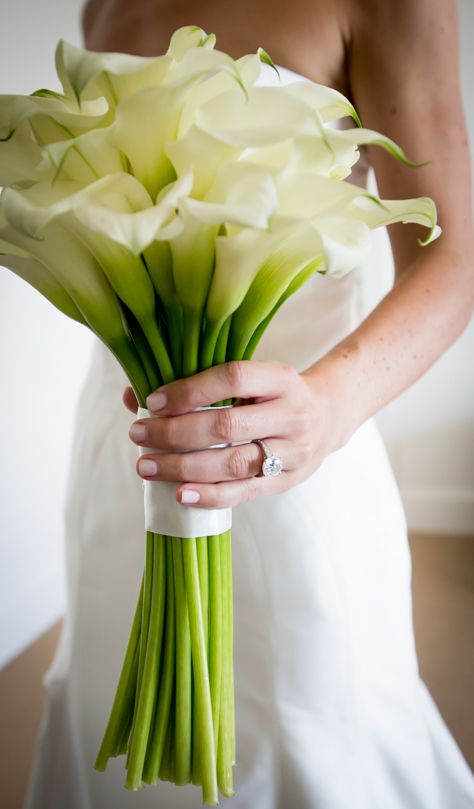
{"points": [[238, 257], [379, 213], [117, 206], [86, 158], [299, 247], [345, 244], [242, 194], [187, 37], [53, 117], [121, 209], [144, 144], [266, 116], [330, 104], [21, 157], [88, 74], [201, 153]]}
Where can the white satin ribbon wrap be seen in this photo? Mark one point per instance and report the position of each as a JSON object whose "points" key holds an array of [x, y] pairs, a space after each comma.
{"points": [[164, 515]]}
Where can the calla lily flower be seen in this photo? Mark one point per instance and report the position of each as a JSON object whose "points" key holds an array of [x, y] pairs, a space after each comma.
{"points": [[52, 116]]}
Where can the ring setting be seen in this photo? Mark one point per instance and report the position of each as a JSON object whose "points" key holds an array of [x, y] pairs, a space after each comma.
{"points": [[272, 465]]}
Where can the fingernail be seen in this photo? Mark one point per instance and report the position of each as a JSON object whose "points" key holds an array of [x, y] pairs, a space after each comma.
{"points": [[156, 401], [138, 432], [190, 496], [147, 467]]}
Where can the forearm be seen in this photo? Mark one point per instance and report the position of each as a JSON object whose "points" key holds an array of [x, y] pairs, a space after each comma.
{"points": [[414, 324]]}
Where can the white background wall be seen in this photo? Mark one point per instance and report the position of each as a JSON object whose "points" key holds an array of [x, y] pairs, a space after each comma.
{"points": [[44, 356]]}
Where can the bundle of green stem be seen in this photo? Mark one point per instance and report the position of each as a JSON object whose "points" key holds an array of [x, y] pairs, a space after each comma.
{"points": [[173, 714]]}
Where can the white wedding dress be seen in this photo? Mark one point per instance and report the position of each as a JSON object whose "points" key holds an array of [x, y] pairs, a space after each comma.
{"points": [[331, 712]]}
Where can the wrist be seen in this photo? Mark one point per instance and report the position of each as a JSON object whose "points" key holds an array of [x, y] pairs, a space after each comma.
{"points": [[340, 379]]}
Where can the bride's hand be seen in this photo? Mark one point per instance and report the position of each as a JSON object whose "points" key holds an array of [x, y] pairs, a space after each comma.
{"points": [[292, 412]]}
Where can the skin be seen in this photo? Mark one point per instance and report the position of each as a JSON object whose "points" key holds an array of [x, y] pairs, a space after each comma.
{"points": [[397, 62]]}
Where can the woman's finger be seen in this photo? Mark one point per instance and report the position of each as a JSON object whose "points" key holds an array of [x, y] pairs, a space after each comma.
{"points": [[244, 379], [213, 465], [130, 400], [194, 431], [230, 493]]}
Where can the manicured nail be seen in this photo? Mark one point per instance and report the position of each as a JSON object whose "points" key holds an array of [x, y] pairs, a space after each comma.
{"points": [[190, 496], [147, 468], [138, 432], [156, 401]]}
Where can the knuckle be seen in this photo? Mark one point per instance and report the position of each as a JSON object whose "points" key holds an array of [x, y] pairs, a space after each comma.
{"points": [[251, 490], [218, 498], [171, 432], [184, 466], [224, 421], [304, 422], [286, 370], [236, 371], [237, 464]]}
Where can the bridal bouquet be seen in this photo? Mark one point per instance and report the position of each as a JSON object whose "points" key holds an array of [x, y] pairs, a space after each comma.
{"points": [[172, 206]]}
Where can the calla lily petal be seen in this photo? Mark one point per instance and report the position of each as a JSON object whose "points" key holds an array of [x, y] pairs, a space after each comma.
{"points": [[329, 103], [187, 37], [20, 157], [378, 213], [86, 158], [238, 260], [307, 195], [67, 119], [203, 154], [242, 194], [121, 209], [144, 146], [344, 245], [268, 115], [86, 74], [193, 252]]}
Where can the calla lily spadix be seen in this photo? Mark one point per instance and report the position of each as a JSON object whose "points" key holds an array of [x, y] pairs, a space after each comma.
{"points": [[172, 205]]}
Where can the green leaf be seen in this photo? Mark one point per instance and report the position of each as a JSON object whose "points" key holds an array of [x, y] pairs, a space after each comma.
{"points": [[267, 60]]}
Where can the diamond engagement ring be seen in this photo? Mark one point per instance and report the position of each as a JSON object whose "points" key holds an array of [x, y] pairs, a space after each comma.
{"points": [[272, 464]]}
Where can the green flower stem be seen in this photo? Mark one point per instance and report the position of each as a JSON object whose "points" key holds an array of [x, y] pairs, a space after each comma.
{"points": [[220, 352], [168, 762], [156, 746], [145, 354], [148, 688], [174, 323], [183, 724], [192, 335], [125, 694], [125, 352], [202, 557], [226, 748], [209, 341], [303, 276], [201, 675], [158, 347], [147, 594], [215, 628]]}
